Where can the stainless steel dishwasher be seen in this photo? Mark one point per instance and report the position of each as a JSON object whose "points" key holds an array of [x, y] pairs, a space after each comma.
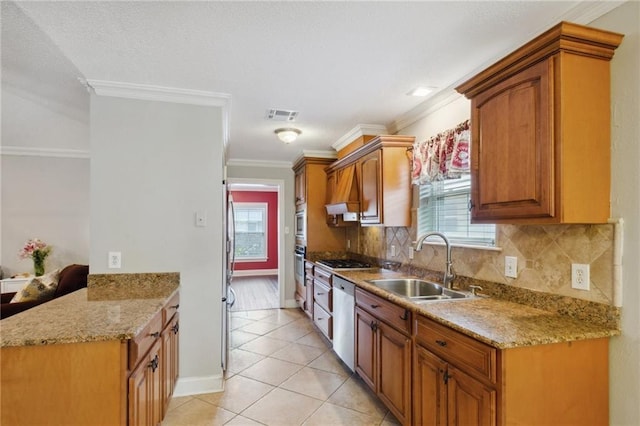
{"points": [[343, 320]]}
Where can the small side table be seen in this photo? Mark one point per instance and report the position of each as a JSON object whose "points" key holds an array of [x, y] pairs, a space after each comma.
{"points": [[11, 285]]}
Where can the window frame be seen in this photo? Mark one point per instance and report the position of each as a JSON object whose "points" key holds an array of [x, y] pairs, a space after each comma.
{"points": [[483, 236], [264, 208]]}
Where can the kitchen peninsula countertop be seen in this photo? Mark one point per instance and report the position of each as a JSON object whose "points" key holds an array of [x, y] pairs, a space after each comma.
{"points": [[109, 309], [499, 323]]}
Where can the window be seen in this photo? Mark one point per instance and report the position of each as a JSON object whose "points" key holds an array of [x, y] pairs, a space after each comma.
{"points": [[444, 207], [251, 231]]}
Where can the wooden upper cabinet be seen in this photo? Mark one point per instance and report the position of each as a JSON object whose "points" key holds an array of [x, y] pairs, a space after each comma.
{"points": [[382, 175], [370, 188], [300, 184], [540, 130]]}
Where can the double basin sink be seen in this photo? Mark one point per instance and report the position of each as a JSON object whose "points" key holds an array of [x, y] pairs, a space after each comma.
{"points": [[419, 291]]}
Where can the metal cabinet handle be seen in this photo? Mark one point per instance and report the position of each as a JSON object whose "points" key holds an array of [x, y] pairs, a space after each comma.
{"points": [[441, 343], [471, 205], [375, 306], [155, 335], [405, 316], [175, 306], [446, 376], [154, 363], [175, 328]]}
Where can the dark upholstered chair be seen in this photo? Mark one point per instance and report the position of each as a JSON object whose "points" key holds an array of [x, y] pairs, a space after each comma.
{"points": [[72, 278]]}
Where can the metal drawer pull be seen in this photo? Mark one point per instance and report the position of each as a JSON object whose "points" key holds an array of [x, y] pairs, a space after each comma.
{"points": [[154, 363], [375, 306], [405, 316], [441, 343], [175, 306], [155, 335], [319, 294], [175, 328]]}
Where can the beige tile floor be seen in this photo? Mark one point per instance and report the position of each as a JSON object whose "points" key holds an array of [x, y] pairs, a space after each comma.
{"points": [[281, 372]]}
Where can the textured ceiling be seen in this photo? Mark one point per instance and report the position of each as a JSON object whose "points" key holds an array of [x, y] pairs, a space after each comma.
{"points": [[337, 63]]}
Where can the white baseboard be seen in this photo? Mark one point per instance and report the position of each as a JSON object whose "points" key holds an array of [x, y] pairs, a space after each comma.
{"points": [[255, 272], [198, 385]]}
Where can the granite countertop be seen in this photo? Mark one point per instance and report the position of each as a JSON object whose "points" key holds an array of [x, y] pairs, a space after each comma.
{"points": [[109, 309], [499, 323]]}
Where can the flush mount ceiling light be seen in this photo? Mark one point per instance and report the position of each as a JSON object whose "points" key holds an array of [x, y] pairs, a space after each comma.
{"points": [[287, 134], [421, 91]]}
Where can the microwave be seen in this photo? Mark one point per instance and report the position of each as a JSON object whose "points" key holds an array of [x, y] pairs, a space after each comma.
{"points": [[301, 225]]}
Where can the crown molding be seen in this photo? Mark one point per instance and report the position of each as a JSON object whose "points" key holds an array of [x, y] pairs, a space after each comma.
{"points": [[359, 131], [241, 162], [319, 154], [157, 93], [434, 103], [165, 94], [24, 151]]}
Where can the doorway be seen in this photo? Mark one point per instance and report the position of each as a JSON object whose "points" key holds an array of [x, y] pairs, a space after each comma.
{"points": [[258, 278]]}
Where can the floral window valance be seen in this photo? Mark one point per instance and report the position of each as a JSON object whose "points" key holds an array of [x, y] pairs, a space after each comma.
{"points": [[444, 156]]}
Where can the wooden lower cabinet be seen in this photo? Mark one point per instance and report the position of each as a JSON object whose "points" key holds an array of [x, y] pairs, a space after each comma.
{"points": [[170, 357], [444, 395], [383, 361], [458, 380], [145, 389]]}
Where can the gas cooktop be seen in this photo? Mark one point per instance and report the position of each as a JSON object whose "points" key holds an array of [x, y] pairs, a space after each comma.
{"points": [[343, 264]]}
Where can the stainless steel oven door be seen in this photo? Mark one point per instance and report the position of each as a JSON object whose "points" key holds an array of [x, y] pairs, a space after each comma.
{"points": [[299, 264]]}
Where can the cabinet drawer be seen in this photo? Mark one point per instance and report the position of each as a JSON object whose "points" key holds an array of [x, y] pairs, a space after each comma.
{"points": [[323, 320], [140, 344], [170, 308], [322, 295], [466, 353], [394, 315], [323, 275]]}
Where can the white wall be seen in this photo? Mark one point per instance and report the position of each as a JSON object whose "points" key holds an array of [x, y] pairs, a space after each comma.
{"points": [[625, 196], [286, 174], [43, 196], [153, 166]]}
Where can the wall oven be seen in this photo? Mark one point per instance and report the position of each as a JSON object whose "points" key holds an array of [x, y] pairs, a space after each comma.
{"points": [[301, 225], [299, 255]]}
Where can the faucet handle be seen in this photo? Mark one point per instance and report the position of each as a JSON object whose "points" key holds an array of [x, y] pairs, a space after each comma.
{"points": [[475, 288]]}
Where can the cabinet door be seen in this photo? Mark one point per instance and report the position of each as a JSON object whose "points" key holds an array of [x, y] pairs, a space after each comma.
{"points": [[300, 186], [370, 189], [365, 356], [394, 371], [512, 155], [469, 402], [429, 389], [308, 304], [170, 341], [145, 403]]}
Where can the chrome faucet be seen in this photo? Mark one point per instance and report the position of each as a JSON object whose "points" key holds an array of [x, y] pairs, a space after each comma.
{"points": [[449, 275]]}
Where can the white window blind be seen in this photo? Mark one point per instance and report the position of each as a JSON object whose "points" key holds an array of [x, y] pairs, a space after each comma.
{"points": [[444, 207], [251, 231]]}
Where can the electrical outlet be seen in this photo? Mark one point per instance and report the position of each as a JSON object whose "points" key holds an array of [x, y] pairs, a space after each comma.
{"points": [[580, 276], [410, 252], [393, 251], [511, 266], [114, 260]]}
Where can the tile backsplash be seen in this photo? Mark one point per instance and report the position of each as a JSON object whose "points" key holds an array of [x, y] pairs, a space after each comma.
{"points": [[545, 254]]}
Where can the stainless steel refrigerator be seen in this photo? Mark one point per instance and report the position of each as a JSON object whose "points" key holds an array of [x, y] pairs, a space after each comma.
{"points": [[228, 295]]}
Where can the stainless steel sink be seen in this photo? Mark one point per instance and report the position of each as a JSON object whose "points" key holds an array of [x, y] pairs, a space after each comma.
{"points": [[418, 290]]}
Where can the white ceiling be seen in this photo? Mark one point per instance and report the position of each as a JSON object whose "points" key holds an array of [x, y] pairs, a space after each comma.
{"points": [[338, 63]]}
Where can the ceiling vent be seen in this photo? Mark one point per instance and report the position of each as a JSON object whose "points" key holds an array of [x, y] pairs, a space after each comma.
{"points": [[281, 115]]}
